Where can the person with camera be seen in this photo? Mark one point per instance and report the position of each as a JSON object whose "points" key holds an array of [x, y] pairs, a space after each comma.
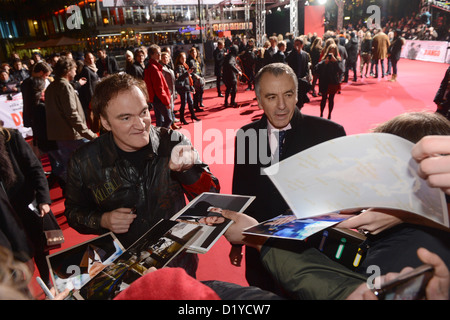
{"points": [[184, 86]]}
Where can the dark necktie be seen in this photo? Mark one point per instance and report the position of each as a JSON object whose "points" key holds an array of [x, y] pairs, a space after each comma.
{"points": [[281, 135]]}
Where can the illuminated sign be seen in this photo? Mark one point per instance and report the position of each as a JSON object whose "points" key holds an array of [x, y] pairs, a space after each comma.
{"points": [[189, 29], [232, 26]]}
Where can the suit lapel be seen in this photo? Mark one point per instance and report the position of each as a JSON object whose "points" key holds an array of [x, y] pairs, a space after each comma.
{"points": [[293, 141]]}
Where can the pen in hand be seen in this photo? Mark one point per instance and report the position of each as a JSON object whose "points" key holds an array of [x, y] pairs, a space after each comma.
{"points": [[45, 288]]}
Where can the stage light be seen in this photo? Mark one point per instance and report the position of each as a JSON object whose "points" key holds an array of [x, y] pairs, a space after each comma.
{"points": [[322, 1]]}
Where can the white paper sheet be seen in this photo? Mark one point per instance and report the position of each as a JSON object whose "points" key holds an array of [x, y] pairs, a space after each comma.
{"points": [[358, 171]]}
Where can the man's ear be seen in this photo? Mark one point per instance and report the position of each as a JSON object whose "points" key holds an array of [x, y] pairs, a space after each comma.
{"points": [[105, 123]]}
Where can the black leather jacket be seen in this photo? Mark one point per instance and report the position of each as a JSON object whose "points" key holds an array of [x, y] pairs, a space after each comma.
{"points": [[99, 180]]}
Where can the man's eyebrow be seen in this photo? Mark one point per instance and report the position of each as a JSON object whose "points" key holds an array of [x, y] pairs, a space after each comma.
{"points": [[274, 94], [121, 115]]}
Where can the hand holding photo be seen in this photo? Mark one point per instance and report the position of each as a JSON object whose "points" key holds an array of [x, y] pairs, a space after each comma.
{"points": [[206, 211], [292, 228]]}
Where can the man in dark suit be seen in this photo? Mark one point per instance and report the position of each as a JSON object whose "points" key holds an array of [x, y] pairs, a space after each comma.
{"points": [[219, 55], [269, 52], [106, 65], [300, 62], [257, 148]]}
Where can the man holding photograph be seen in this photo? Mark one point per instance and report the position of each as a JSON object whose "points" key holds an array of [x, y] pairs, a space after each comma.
{"points": [[258, 146]]}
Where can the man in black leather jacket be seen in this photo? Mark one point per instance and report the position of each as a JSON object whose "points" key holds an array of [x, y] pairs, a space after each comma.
{"points": [[133, 166]]}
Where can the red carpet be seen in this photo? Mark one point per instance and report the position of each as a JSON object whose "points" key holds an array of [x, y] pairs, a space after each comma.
{"points": [[360, 107]]}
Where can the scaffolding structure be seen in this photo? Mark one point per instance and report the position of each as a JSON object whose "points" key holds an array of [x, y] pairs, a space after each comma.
{"points": [[260, 17], [293, 16], [260, 21]]}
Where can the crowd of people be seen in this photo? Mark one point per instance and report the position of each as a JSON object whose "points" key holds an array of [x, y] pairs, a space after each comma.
{"points": [[108, 178], [321, 63], [120, 173], [322, 75], [415, 26]]}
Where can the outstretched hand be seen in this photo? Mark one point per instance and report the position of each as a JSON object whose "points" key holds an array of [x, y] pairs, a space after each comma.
{"points": [[183, 158], [234, 232]]}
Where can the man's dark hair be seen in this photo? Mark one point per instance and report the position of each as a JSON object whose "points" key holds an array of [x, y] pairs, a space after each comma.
{"points": [[42, 66], [63, 66]]}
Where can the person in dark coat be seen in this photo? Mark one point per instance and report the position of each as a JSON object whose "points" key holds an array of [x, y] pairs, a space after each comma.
{"points": [[39, 125], [316, 49], [25, 182], [85, 92], [329, 69], [279, 56], [394, 51], [248, 60], [352, 57], [137, 66], [299, 60], [7, 84], [12, 233], [106, 65], [40, 70], [230, 72], [34, 116], [366, 53], [269, 52], [253, 150], [184, 85], [18, 72], [219, 55], [442, 97], [194, 58]]}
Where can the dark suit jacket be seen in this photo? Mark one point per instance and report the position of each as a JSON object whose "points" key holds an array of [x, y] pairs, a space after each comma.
{"points": [[268, 55], [86, 92], [306, 132], [302, 69], [219, 55], [111, 66]]}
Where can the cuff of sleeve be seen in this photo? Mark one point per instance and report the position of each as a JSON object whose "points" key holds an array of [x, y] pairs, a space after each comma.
{"points": [[94, 222], [189, 176]]}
